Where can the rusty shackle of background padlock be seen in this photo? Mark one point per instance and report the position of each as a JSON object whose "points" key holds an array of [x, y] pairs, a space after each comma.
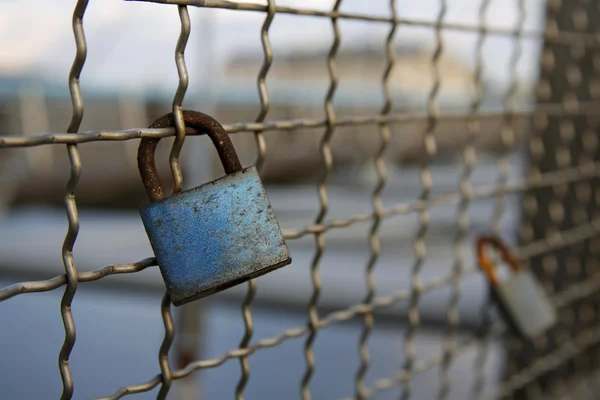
{"points": [[520, 299], [216, 235]]}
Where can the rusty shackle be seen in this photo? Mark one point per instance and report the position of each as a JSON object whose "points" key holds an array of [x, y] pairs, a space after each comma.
{"points": [[486, 263], [197, 121]]}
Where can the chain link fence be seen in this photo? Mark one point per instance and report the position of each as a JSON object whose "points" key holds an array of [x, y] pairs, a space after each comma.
{"points": [[559, 195]]}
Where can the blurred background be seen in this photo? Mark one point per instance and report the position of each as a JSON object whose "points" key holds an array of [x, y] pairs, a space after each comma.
{"points": [[130, 78]]}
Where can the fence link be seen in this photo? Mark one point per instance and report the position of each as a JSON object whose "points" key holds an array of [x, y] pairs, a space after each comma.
{"points": [[559, 195]]}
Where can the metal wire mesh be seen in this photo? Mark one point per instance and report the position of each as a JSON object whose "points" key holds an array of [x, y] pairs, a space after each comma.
{"points": [[562, 181], [564, 72]]}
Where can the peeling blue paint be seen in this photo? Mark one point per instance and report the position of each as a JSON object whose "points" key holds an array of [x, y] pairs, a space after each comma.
{"points": [[215, 236]]}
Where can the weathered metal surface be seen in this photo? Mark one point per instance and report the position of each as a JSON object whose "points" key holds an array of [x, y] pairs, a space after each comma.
{"points": [[195, 120], [215, 236], [524, 304], [521, 300]]}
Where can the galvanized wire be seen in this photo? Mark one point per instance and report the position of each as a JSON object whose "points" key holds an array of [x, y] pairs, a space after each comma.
{"points": [[261, 145], [549, 179], [507, 137], [60, 280], [462, 218], [565, 352], [583, 108], [567, 75], [71, 205], [374, 242], [182, 73], [420, 248], [534, 387], [163, 353], [568, 296], [404, 375], [474, 125], [565, 37], [167, 317], [325, 147], [540, 247]]}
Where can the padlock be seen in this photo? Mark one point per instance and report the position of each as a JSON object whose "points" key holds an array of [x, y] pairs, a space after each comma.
{"points": [[214, 236], [520, 299]]}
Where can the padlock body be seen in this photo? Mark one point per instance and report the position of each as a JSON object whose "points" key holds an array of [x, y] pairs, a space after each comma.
{"points": [[215, 236], [524, 304]]}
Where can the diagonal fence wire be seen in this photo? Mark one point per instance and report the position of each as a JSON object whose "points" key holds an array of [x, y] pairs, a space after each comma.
{"points": [[549, 179], [540, 247], [563, 354]]}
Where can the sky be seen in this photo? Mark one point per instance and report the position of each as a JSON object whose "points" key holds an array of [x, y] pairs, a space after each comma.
{"points": [[131, 44]]}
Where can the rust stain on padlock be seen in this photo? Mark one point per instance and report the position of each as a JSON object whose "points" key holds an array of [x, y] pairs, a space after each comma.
{"points": [[486, 263], [197, 121], [217, 235], [521, 299]]}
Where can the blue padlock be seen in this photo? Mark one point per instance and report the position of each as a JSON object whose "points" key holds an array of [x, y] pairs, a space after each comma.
{"points": [[214, 236]]}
